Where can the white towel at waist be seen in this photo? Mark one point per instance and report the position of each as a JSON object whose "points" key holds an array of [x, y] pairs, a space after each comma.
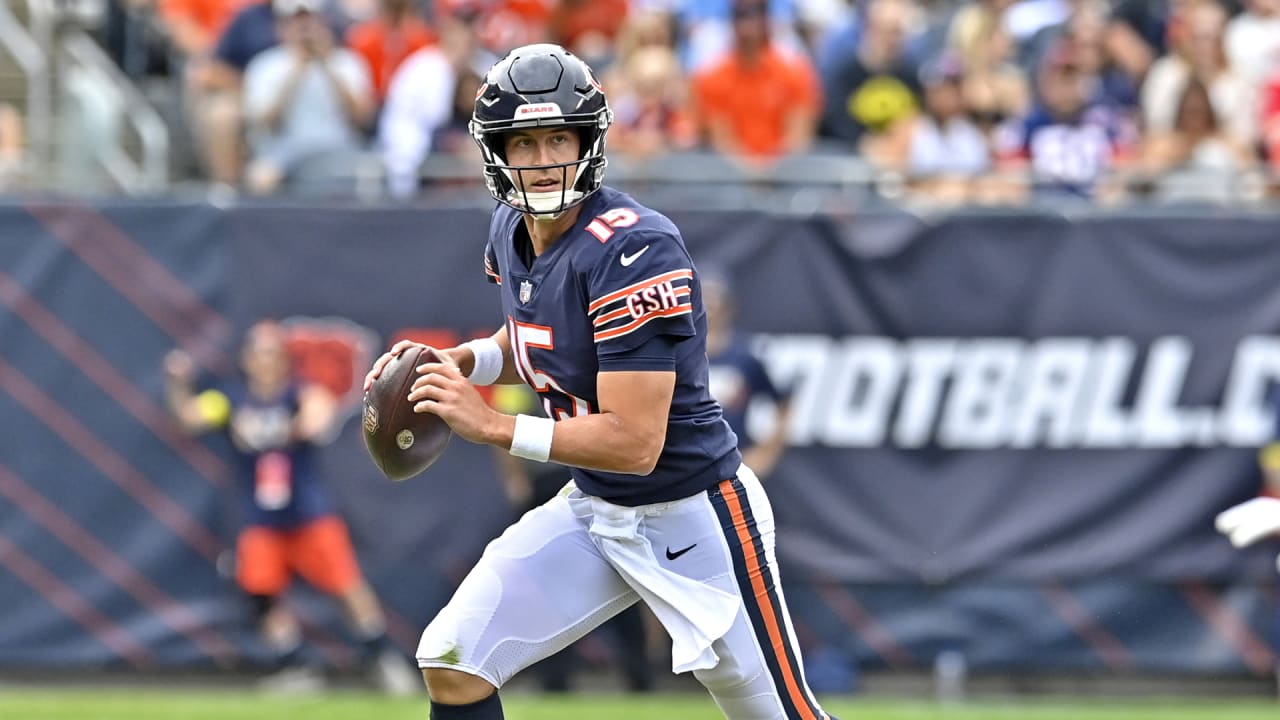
{"points": [[695, 614]]}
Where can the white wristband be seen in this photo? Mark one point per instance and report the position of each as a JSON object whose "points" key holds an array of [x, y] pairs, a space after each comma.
{"points": [[532, 437], [488, 364]]}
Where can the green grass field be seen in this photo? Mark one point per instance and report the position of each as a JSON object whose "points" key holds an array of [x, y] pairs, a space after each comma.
{"points": [[205, 705]]}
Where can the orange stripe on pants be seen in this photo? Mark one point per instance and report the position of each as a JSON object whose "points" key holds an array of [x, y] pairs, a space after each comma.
{"points": [[754, 570]]}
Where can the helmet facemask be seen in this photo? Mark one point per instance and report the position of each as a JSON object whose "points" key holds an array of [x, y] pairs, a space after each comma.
{"points": [[505, 181]]}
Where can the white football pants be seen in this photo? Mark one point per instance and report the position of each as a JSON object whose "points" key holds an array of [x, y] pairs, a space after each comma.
{"points": [[705, 564]]}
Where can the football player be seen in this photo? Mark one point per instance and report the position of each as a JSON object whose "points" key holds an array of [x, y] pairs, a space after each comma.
{"points": [[289, 522], [604, 319]]}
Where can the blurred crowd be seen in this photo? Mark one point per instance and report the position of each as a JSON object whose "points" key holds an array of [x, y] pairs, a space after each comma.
{"points": [[977, 101]]}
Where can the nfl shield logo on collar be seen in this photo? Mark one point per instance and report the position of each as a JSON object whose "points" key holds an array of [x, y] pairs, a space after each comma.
{"points": [[526, 290]]}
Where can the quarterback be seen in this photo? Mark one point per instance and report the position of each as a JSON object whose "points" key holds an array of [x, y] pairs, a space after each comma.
{"points": [[604, 319]]}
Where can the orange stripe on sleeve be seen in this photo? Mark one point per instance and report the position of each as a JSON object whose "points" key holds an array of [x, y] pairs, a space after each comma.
{"points": [[636, 325], [611, 316], [616, 294], [624, 311]]}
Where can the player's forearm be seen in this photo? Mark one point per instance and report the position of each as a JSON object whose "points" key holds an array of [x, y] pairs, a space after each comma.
{"points": [[604, 442], [595, 442]]}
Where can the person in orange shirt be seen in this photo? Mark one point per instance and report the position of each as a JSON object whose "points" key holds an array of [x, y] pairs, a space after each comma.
{"points": [[757, 102], [387, 39]]}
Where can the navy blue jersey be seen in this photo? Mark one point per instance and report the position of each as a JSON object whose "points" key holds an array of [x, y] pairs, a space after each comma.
{"points": [[737, 378], [613, 282], [279, 487], [1067, 155]]}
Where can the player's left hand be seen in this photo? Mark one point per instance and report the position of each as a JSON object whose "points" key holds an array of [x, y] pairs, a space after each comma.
{"points": [[442, 390]]}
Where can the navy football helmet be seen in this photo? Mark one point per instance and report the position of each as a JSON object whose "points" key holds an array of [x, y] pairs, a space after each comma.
{"points": [[541, 85]]}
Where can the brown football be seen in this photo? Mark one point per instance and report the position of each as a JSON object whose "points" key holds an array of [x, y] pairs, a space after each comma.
{"points": [[402, 442]]}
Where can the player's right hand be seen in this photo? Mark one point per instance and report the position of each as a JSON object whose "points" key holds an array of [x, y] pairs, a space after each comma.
{"points": [[386, 358]]}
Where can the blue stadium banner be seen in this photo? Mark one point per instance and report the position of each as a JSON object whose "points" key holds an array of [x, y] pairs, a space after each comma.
{"points": [[1011, 432]]}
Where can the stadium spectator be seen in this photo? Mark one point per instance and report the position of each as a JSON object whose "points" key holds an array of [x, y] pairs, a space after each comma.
{"points": [[816, 20], [307, 102], [925, 35], [650, 105], [840, 41], [354, 12], [1197, 52], [1197, 141], [941, 150], [1068, 142], [994, 88], [974, 21], [420, 103], [588, 28], [1085, 30], [501, 24], [191, 29], [1137, 32], [454, 137], [877, 87], [431, 98], [194, 26], [387, 39], [1023, 19], [708, 29], [290, 524], [251, 31], [756, 102], [1252, 42], [214, 91], [644, 26]]}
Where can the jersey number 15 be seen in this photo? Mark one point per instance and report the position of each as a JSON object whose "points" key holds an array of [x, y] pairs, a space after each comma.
{"points": [[527, 335]]}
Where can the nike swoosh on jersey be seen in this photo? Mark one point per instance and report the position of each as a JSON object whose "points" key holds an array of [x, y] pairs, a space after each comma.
{"points": [[628, 259], [678, 553]]}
